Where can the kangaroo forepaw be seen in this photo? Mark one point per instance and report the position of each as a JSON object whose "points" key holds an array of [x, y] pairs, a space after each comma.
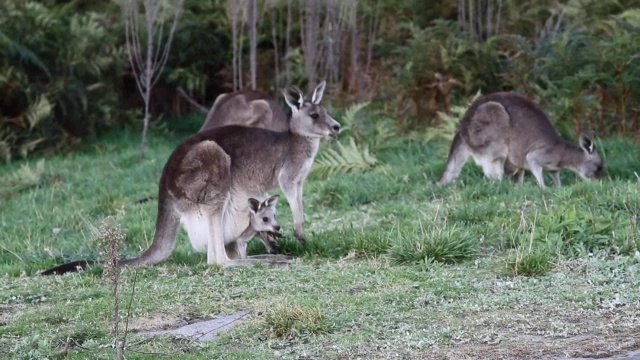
{"points": [[273, 248], [299, 236]]}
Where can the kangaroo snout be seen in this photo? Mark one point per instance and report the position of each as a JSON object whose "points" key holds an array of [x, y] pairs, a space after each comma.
{"points": [[276, 233], [334, 128]]}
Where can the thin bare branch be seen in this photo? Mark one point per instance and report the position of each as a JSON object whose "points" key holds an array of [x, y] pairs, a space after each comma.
{"points": [[147, 65], [126, 323]]}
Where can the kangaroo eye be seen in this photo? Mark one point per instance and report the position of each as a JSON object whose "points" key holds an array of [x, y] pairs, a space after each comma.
{"points": [[265, 219], [315, 116]]}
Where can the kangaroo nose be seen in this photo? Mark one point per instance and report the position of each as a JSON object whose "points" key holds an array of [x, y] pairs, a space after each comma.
{"points": [[336, 128], [277, 227]]}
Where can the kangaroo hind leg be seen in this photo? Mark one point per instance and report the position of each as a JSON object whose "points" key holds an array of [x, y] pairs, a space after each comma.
{"points": [[458, 156], [204, 183]]}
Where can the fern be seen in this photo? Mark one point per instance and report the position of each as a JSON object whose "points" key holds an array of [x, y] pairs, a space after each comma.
{"points": [[22, 53], [384, 131], [345, 159], [352, 156], [38, 110], [350, 115]]}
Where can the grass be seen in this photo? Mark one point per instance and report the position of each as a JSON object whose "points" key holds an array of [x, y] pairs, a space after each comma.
{"points": [[293, 321], [529, 262], [393, 267], [434, 243]]}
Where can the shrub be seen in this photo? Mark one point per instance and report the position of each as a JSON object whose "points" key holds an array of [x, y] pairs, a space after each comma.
{"points": [[59, 72]]}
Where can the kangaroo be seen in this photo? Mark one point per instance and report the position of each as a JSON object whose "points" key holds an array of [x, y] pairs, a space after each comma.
{"points": [[252, 109], [248, 108], [506, 132], [208, 177], [262, 221]]}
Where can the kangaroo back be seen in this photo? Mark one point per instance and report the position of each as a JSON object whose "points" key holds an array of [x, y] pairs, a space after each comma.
{"points": [[246, 108]]}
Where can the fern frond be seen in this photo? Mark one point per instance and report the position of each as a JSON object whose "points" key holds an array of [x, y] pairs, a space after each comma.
{"points": [[348, 119], [38, 110], [22, 53], [344, 159], [384, 131]]}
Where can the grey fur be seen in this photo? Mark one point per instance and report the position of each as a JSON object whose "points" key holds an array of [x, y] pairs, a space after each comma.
{"points": [[506, 132], [247, 108], [262, 220], [208, 178]]}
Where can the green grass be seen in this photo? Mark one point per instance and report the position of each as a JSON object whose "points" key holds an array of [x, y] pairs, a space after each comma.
{"points": [[293, 321], [393, 265]]}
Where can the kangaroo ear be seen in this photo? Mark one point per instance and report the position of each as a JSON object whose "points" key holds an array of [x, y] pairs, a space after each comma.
{"points": [[587, 144], [317, 92], [294, 98], [272, 201], [254, 205]]}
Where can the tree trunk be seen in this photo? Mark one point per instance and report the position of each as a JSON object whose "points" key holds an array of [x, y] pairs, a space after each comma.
{"points": [[355, 50], [232, 13], [253, 41], [462, 18], [373, 27], [310, 29], [276, 50], [287, 44], [489, 19], [240, 73]]}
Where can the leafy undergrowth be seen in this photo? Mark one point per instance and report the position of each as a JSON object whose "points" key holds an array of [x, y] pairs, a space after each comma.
{"points": [[393, 267]]}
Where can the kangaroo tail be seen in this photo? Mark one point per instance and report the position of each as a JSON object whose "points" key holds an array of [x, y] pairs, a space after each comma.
{"points": [[68, 267]]}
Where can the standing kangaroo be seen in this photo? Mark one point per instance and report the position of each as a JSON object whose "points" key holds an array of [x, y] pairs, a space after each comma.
{"points": [[208, 178], [508, 132], [249, 108], [252, 109]]}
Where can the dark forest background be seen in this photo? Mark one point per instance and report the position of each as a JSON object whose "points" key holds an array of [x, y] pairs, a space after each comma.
{"points": [[65, 76]]}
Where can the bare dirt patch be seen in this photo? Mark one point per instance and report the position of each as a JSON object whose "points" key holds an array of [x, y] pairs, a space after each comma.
{"points": [[160, 321], [582, 347], [9, 312]]}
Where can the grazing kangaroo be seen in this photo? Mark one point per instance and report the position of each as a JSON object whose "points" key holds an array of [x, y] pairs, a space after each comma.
{"points": [[506, 132], [208, 177], [248, 108]]}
